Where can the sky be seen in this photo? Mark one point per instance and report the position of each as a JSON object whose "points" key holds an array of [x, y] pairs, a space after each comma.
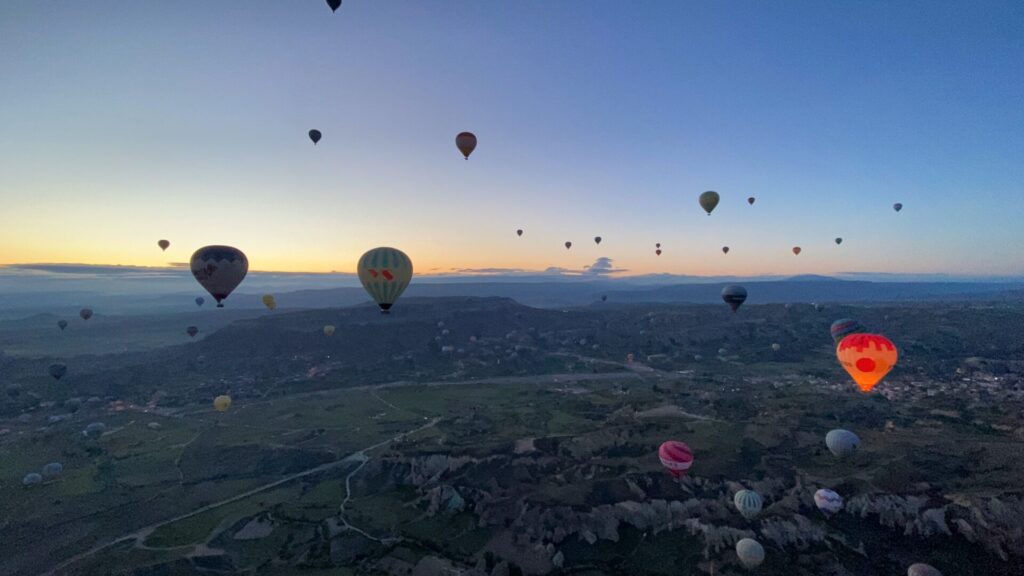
{"points": [[125, 122]]}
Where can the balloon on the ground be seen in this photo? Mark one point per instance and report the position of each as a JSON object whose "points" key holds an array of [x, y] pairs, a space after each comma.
{"points": [[200, 300], [192, 331], [676, 456], [219, 269], [867, 358], [315, 136], [163, 244], [748, 503], [385, 274], [734, 295], [85, 313], [329, 330], [708, 201], [466, 143], [94, 430], [222, 403], [62, 324], [922, 570], [57, 370], [269, 302], [750, 553], [897, 206], [828, 501], [844, 327], [334, 4], [53, 469], [842, 442], [31, 479]]}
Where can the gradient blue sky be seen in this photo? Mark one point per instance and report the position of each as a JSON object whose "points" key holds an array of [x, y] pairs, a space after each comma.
{"points": [[125, 122]]}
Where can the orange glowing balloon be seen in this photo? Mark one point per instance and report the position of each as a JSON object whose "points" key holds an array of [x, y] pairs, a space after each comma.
{"points": [[867, 357]]}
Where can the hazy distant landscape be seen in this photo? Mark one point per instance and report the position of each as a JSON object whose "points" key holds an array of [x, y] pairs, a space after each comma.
{"points": [[481, 436]]}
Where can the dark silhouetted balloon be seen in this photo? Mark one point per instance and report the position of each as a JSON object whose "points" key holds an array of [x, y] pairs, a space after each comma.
{"points": [[200, 300], [597, 239], [58, 371], [725, 249], [315, 136], [192, 331], [797, 250], [519, 232], [751, 200], [708, 201], [466, 142], [62, 324], [85, 313], [657, 252], [897, 206], [163, 244], [604, 298], [219, 269], [334, 4], [568, 245], [734, 295]]}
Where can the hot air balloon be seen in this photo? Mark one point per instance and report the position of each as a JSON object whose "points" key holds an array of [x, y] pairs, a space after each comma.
{"points": [[841, 442], [725, 249], [58, 371], [708, 201], [219, 269], [329, 330], [658, 245], [839, 241], [222, 403], [828, 501], [31, 479], [897, 206], [597, 239], [796, 250], [751, 200], [315, 136], [334, 4], [568, 245], [163, 244], [748, 503], [867, 358], [466, 142], [734, 295], [94, 430], [85, 313], [922, 570], [192, 331], [604, 298], [62, 324], [750, 552], [53, 469], [776, 347], [385, 274], [676, 456], [657, 252], [200, 300], [519, 232], [844, 327], [269, 302]]}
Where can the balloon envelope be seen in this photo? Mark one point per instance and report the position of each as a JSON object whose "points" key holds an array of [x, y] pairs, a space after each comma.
{"points": [[519, 232], [725, 249], [676, 456], [53, 469], [334, 4], [329, 330], [315, 136], [31, 479], [85, 313], [797, 250], [219, 269], [269, 302], [466, 142], [844, 327], [842, 442], [568, 245], [867, 358], [385, 274], [828, 501], [597, 239], [897, 206], [750, 553], [751, 200], [192, 331], [163, 244], [748, 503], [708, 201], [734, 295], [200, 300], [922, 570], [839, 240], [222, 403], [62, 324]]}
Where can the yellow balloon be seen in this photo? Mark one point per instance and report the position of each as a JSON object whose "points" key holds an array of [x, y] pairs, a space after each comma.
{"points": [[329, 330], [222, 403], [269, 302]]}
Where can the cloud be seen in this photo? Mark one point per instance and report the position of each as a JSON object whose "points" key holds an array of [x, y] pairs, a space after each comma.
{"points": [[603, 266], [489, 270], [92, 269]]}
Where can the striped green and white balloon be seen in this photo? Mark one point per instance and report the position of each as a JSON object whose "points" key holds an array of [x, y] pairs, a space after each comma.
{"points": [[749, 503], [385, 273]]}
